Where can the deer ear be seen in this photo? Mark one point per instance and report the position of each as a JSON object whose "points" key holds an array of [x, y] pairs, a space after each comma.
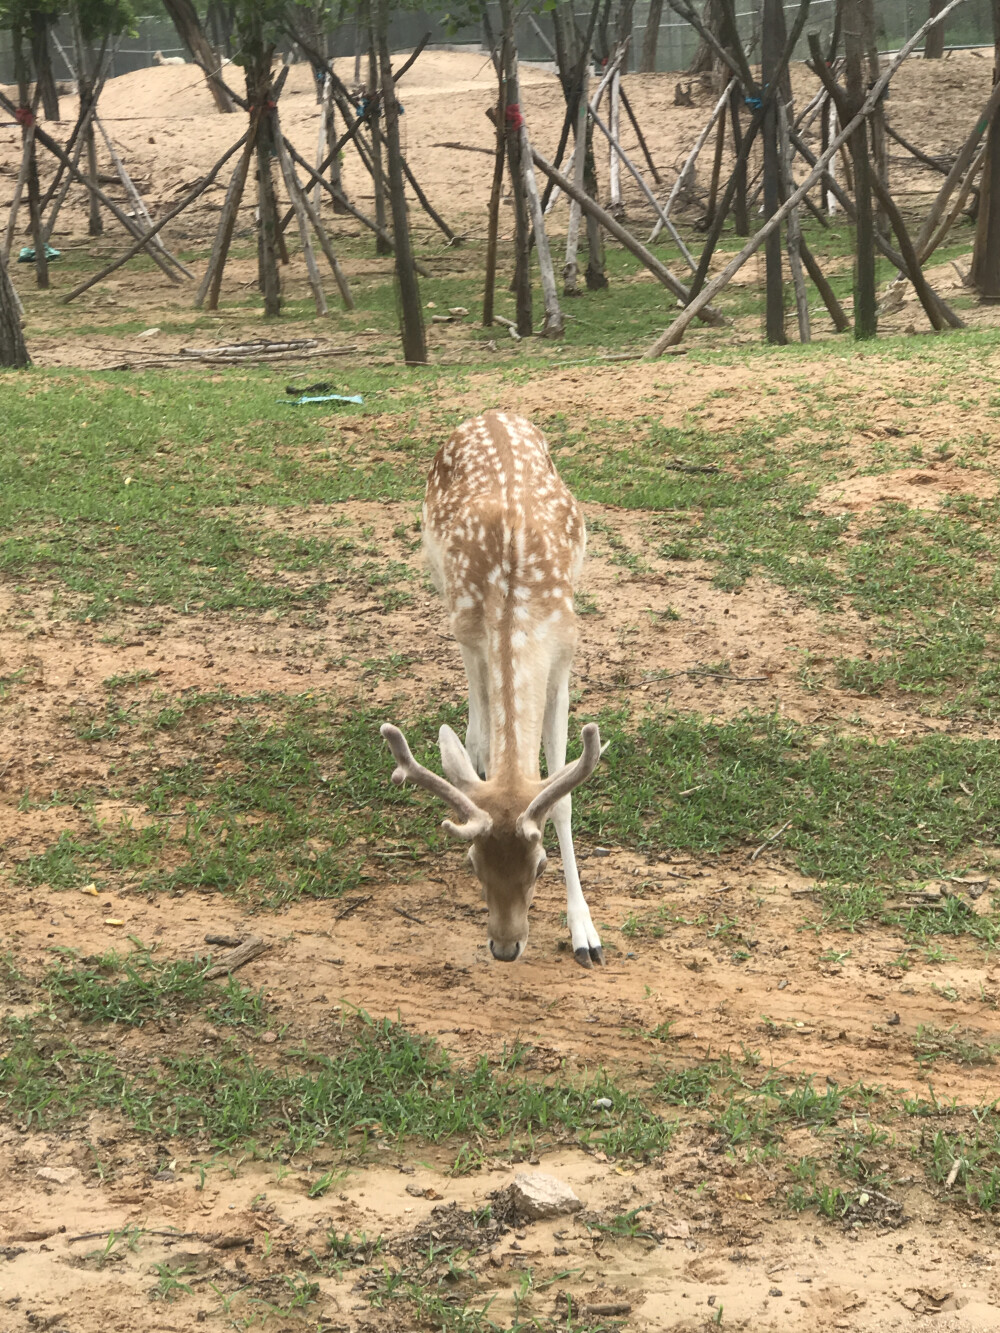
{"points": [[455, 761]]}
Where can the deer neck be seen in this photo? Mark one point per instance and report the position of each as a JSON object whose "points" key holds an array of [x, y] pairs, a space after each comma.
{"points": [[517, 665]]}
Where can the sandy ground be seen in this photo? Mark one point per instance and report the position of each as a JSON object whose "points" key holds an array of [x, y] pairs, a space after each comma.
{"points": [[169, 134]]}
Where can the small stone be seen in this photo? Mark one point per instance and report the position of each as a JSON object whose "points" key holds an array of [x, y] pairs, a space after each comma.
{"points": [[604, 1103], [776, 1291], [59, 1175], [537, 1196]]}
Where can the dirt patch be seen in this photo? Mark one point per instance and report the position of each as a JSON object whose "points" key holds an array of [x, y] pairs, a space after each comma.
{"points": [[705, 1251], [925, 487]]}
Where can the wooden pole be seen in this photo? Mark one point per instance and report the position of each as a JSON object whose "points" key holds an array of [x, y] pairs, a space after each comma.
{"points": [[211, 283], [553, 326], [145, 238], [137, 201], [614, 178], [377, 167], [627, 107], [296, 199], [618, 152], [321, 233], [692, 157]]}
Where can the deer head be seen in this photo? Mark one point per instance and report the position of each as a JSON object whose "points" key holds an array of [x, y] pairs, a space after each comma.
{"points": [[503, 823]]}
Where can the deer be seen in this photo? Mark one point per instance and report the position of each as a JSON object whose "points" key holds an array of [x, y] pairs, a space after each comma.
{"points": [[160, 59], [504, 542]]}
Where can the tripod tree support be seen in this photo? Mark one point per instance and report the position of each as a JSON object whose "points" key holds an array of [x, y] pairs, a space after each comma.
{"points": [[671, 336]]}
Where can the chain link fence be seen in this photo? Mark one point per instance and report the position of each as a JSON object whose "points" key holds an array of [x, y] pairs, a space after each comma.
{"points": [[971, 25]]}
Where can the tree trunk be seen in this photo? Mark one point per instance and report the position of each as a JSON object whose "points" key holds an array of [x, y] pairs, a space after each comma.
{"points": [[41, 55], [85, 88], [29, 150], [986, 253], [865, 313], [934, 41], [411, 313], [705, 60], [650, 38], [378, 168], [13, 353], [772, 41], [189, 30]]}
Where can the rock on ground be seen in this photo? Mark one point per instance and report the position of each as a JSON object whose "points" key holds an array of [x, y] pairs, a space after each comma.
{"points": [[537, 1196]]}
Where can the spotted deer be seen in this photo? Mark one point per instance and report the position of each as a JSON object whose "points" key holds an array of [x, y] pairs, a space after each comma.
{"points": [[504, 541]]}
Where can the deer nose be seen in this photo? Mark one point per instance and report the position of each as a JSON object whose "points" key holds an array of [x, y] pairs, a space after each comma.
{"points": [[505, 953]]}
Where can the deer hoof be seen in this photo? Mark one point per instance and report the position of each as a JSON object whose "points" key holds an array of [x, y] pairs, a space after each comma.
{"points": [[597, 954], [582, 956]]}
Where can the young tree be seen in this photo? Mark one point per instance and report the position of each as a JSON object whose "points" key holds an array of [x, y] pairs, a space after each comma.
{"points": [[13, 352], [192, 34]]}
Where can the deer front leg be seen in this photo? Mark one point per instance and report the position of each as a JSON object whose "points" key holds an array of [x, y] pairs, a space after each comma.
{"points": [[586, 941]]}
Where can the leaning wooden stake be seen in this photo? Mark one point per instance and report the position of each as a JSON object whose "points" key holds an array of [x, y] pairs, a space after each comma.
{"points": [[296, 199], [614, 227], [692, 157], [676, 330], [145, 238], [211, 283], [137, 201], [321, 233]]}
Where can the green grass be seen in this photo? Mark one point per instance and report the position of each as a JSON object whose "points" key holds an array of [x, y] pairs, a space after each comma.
{"points": [[138, 988], [278, 798]]}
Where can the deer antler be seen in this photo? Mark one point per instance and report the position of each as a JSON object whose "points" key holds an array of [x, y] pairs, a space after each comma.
{"points": [[531, 823], [476, 822]]}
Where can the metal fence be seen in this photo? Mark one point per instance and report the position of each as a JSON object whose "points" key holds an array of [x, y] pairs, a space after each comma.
{"points": [[971, 25]]}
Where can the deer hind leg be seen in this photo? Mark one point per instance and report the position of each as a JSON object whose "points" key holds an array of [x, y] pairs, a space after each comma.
{"points": [[586, 941], [477, 738]]}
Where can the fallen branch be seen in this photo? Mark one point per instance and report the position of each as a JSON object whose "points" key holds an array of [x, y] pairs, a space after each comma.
{"points": [[400, 911], [244, 953], [773, 838]]}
